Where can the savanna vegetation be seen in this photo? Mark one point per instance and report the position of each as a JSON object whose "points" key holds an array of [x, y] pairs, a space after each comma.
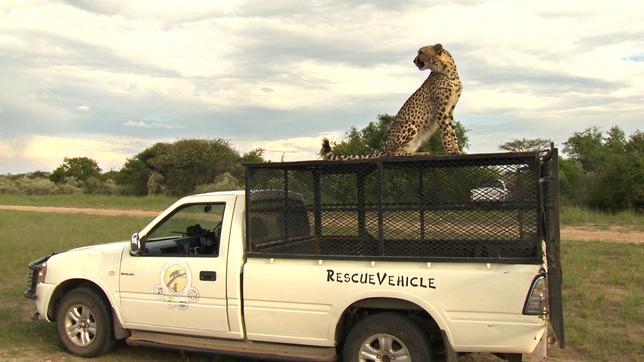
{"points": [[600, 171], [167, 169]]}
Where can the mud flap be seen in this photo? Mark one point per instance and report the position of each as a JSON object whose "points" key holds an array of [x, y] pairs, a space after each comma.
{"points": [[550, 176]]}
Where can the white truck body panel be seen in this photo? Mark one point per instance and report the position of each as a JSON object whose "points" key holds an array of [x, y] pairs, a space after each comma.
{"points": [[479, 307], [299, 301]]}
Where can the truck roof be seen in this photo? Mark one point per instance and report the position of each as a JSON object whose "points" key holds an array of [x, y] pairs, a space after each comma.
{"points": [[222, 193]]}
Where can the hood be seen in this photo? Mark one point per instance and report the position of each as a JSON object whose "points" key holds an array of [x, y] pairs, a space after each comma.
{"points": [[118, 245], [99, 264]]}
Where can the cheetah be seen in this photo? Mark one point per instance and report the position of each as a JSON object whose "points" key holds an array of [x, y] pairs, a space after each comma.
{"points": [[429, 108]]}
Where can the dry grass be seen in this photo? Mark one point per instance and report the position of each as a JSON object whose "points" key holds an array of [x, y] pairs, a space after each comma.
{"points": [[603, 291]]}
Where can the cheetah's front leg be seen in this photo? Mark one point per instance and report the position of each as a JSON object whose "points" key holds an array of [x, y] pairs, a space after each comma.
{"points": [[448, 133]]}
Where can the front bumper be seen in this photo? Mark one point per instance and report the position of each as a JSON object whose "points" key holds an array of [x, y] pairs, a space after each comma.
{"points": [[39, 292], [44, 293], [42, 296]]}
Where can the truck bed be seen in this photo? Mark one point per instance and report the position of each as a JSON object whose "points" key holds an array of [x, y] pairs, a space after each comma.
{"points": [[421, 208]]}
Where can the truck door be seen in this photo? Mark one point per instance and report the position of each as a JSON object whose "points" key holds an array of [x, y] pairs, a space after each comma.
{"points": [[550, 206], [178, 282]]}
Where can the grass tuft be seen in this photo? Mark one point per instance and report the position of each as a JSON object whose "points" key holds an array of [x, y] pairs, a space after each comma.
{"points": [[573, 215]]}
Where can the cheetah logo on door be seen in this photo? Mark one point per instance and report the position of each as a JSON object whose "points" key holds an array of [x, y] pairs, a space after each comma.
{"points": [[175, 287]]}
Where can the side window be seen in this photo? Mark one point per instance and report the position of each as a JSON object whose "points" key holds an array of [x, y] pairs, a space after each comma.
{"points": [[193, 230]]}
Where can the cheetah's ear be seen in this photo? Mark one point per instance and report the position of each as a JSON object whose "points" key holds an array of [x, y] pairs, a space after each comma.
{"points": [[438, 48]]}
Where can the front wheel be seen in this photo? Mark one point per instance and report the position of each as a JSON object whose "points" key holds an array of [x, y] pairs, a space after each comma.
{"points": [[386, 337], [83, 323]]}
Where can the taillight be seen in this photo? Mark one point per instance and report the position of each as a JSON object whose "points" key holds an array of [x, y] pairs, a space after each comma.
{"points": [[537, 301]]}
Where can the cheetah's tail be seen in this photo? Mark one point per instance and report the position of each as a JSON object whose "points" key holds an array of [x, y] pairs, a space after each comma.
{"points": [[327, 153]]}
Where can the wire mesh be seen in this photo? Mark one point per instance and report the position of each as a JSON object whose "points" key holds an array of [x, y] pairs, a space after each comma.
{"points": [[484, 207]]}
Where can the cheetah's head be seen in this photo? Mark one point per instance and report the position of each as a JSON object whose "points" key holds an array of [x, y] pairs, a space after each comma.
{"points": [[433, 57]]}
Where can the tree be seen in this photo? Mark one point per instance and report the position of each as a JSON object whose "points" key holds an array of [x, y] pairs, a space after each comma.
{"points": [[81, 168], [177, 168], [586, 148], [526, 145], [615, 142], [253, 156], [372, 139], [604, 172], [134, 176], [573, 182], [619, 183]]}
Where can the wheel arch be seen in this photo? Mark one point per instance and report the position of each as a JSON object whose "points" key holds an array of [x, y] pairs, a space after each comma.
{"points": [[70, 284], [390, 301]]}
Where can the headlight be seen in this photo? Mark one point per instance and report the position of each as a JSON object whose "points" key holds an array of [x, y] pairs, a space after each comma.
{"points": [[42, 273], [537, 301]]}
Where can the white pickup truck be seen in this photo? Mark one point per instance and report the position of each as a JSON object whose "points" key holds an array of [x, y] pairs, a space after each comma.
{"points": [[370, 260]]}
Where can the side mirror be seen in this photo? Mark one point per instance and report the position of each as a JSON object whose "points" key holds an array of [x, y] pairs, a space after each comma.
{"points": [[135, 244]]}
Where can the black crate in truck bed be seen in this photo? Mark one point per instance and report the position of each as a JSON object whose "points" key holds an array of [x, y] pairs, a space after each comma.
{"points": [[482, 207]]}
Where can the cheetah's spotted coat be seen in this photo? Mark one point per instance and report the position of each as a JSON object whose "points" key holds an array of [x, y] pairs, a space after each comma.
{"points": [[429, 108]]}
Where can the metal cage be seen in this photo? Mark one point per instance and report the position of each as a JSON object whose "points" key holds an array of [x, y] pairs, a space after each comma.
{"points": [[482, 207]]}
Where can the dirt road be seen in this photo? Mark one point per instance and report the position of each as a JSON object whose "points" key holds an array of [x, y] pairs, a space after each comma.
{"points": [[616, 234], [79, 210]]}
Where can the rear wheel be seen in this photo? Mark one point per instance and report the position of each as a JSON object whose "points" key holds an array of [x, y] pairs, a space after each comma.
{"points": [[83, 323], [386, 337]]}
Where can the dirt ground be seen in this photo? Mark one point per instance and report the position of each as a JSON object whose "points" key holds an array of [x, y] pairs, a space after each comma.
{"points": [[616, 234], [78, 210]]}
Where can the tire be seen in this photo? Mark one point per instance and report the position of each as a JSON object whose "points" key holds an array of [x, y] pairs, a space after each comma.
{"points": [[385, 335], [84, 323]]}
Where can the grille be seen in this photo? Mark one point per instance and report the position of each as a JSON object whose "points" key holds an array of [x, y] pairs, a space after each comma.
{"points": [[30, 292], [484, 207]]}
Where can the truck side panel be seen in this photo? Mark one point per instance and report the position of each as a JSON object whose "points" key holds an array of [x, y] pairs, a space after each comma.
{"points": [[478, 305]]}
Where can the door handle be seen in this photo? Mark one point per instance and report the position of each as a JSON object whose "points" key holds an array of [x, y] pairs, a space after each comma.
{"points": [[209, 276]]}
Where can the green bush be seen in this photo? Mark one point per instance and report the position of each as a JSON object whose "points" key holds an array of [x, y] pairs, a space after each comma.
{"points": [[223, 182], [69, 189], [155, 184], [110, 187], [36, 186], [81, 168], [71, 185], [8, 186]]}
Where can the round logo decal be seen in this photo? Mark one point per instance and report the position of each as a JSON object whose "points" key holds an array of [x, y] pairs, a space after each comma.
{"points": [[175, 278], [175, 287]]}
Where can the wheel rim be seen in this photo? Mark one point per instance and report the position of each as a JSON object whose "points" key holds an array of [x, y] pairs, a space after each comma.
{"points": [[383, 348], [80, 325]]}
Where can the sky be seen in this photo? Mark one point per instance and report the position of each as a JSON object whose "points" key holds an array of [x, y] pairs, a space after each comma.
{"points": [[107, 79]]}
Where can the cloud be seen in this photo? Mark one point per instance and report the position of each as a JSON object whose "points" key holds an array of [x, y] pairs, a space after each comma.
{"points": [[281, 73], [137, 124], [288, 149], [6, 150], [42, 152], [166, 10], [143, 124]]}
